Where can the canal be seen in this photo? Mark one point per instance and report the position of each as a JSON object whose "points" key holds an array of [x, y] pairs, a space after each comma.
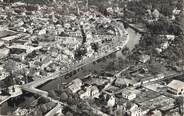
{"points": [[108, 63]]}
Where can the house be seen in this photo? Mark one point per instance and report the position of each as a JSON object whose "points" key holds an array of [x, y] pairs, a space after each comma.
{"points": [[158, 50], [156, 14], [25, 48], [20, 112], [42, 32], [75, 85], [111, 101], [97, 81], [15, 90], [170, 37], [108, 99], [165, 45], [4, 52], [110, 10], [155, 113], [9, 39], [165, 104], [129, 108], [135, 110], [144, 58], [176, 87], [121, 82], [91, 92], [128, 95], [3, 74], [160, 76], [1, 44], [176, 11]]}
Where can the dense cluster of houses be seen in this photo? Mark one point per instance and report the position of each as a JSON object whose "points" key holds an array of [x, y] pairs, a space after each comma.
{"points": [[113, 95], [37, 40]]}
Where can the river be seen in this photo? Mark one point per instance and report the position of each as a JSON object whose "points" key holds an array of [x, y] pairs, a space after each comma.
{"points": [[98, 67], [133, 39]]}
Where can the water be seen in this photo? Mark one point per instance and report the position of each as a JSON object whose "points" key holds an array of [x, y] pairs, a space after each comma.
{"points": [[133, 38], [100, 66]]}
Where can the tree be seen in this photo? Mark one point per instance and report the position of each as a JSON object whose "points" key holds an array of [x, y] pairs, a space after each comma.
{"points": [[69, 114], [53, 94], [74, 108], [79, 52], [111, 66], [95, 46], [180, 5], [63, 96], [83, 34], [10, 67], [71, 100], [179, 102], [156, 68]]}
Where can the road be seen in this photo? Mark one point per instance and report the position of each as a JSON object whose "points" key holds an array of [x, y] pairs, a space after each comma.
{"points": [[167, 77], [31, 87]]}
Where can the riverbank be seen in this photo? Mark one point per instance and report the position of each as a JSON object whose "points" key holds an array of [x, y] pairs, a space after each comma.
{"points": [[96, 66]]}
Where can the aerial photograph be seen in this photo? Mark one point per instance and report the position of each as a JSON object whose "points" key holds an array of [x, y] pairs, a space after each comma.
{"points": [[91, 57]]}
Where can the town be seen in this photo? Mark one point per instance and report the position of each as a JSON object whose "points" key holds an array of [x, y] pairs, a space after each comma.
{"points": [[92, 58]]}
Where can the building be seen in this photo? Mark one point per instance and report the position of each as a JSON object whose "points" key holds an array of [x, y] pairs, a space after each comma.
{"points": [[144, 58], [10, 39], [4, 52], [91, 92], [135, 110], [176, 87], [3, 74], [75, 85], [121, 82], [162, 103], [20, 112], [15, 90], [176, 11], [156, 14], [97, 81], [111, 101], [130, 108], [128, 95], [1, 44], [25, 48], [94, 91], [155, 113], [165, 45], [170, 37]]}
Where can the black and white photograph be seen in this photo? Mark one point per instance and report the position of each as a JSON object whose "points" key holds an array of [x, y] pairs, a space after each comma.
{"points": [[91, 57]]}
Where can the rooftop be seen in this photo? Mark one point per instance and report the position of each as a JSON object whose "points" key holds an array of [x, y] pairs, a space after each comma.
{"points": [[175, 84], [164, 104], [144, 94], [4, 52]]}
